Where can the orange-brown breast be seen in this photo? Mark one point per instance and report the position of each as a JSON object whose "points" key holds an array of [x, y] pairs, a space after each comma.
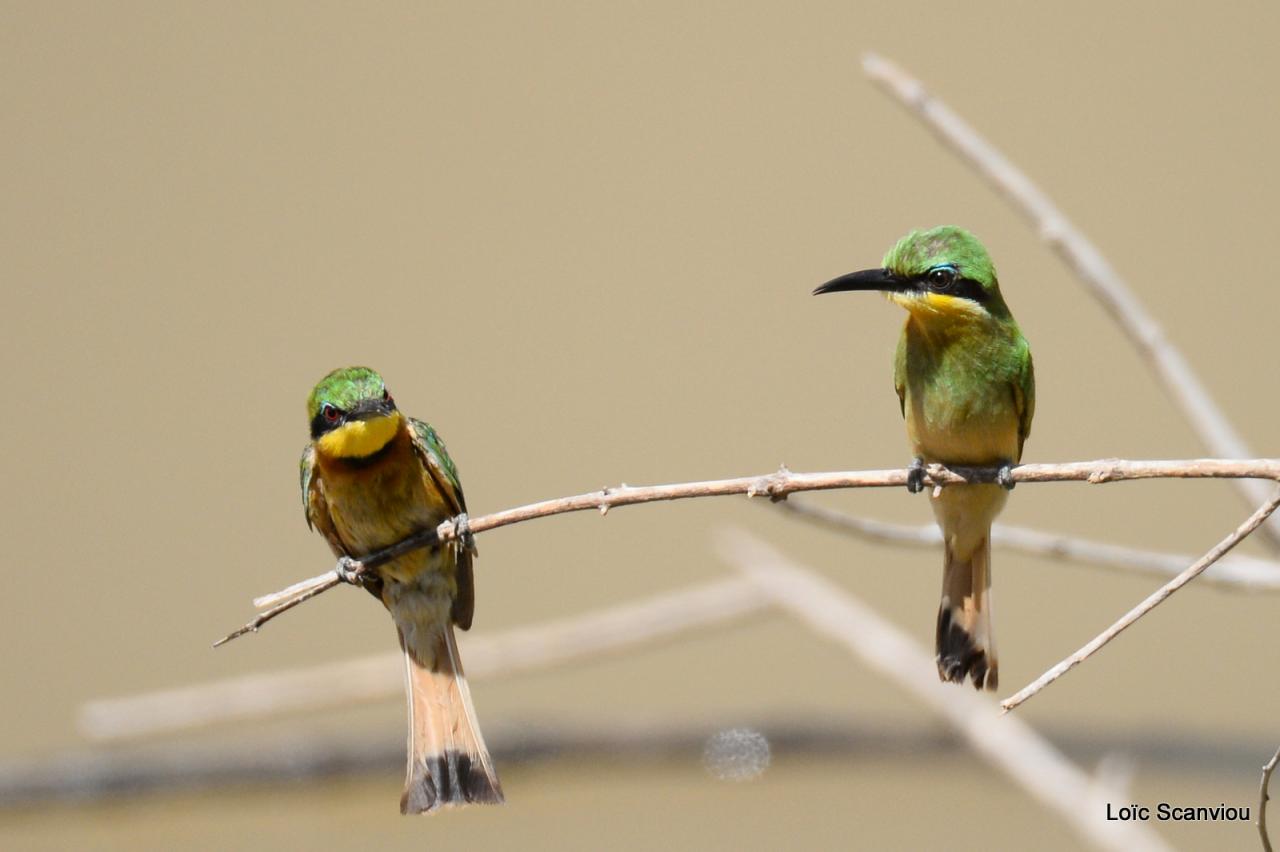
{"points": [[376, 502]]}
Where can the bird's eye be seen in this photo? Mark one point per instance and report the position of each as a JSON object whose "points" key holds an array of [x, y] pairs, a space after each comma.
{"points": [[387, 398], [331, 413], [942, 277]]}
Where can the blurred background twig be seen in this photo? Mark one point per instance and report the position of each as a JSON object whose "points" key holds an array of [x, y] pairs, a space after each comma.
{"points": [[1233, 573], [1007, 743], [604, 631]]}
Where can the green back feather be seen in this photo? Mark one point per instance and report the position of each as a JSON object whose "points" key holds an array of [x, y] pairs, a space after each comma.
{"points": [[428, 443]]}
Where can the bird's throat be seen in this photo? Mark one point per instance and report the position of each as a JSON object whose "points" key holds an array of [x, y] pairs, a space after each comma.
{"points": [[939, 306], [359, 438]]}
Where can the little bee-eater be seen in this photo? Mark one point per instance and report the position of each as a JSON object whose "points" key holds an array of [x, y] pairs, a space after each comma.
{"points": [[370, 477], [967, 392]]}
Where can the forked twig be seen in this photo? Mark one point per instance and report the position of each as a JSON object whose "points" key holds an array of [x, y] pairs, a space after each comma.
{"points": [[326, 582]]}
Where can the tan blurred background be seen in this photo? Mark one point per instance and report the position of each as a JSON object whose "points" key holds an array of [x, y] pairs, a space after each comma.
{"points": [[580, 239]]}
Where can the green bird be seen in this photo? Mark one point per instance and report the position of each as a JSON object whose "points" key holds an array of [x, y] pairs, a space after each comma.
{"points": [[370, 477], [967, 392]]}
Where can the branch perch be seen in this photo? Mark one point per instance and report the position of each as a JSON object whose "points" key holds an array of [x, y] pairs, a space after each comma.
{"points": [[776, 486], [1155, 599], [1088, 263]]}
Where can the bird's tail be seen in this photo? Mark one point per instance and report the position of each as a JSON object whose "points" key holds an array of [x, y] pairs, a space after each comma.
{"points": [[966, 645], [448, 761]]}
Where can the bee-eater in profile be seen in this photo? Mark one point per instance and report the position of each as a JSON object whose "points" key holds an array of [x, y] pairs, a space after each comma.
{"points": [[967, 392], [370, 477]]}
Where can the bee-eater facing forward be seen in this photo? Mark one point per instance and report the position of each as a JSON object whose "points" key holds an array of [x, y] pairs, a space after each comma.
{"points": [[370, 477], [967, 392]]}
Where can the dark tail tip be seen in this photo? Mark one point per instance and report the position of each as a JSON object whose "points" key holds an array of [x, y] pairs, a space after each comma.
{"points": [[960, 657], [443, 780]]}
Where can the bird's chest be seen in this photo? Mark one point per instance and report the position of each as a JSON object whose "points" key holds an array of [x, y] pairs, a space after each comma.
{"points": [[959, 404], [376, 503]]}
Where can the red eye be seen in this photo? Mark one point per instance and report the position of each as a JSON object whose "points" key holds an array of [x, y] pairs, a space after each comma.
{"points": [[330, 413]]}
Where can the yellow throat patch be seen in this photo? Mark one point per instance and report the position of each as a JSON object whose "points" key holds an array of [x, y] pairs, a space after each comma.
{"points": [[359, 438], [937, 304]]}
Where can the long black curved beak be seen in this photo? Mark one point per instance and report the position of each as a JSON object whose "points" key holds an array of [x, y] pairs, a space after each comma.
{"points": [[867, 279]]}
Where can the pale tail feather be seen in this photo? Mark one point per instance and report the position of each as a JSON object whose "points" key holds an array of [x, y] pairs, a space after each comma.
{"points": [[965, 643], [448, 762]]}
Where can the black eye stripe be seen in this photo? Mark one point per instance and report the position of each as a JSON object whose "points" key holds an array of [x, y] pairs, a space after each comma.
{"points": [[969, 289], [964, 288], [321, 422]]}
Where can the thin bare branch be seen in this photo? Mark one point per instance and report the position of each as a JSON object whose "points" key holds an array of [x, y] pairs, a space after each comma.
{"points": [[776, 486], [598, 633], [1088, 263], [1233, 573], [1016, 749], [1264, 797], [1155, 599], [306, 590], [286, 599]]}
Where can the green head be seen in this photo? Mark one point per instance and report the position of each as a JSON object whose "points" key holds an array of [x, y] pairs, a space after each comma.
{"points": [[352, 413], [941, 272]]}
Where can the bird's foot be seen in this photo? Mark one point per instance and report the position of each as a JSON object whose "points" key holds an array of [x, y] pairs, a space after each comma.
{"points": [[350, 570], [1004, 477], [462, 529], [915, 475]]}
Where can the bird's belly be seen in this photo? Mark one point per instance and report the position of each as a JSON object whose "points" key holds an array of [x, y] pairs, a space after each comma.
{"points": [[973, 429]]}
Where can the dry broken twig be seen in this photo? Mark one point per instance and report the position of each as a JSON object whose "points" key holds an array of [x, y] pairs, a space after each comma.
{"points": [[593, 634], [1008, 744], [1155, 599], [1088, 263], [776, 486], [1263, 797], [1234, 572]]}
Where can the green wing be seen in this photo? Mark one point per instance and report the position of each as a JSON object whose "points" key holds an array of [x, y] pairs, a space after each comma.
{"points": [[314, 504], [443, 476], [1024, 397], [305, 467], [900, 373]]}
